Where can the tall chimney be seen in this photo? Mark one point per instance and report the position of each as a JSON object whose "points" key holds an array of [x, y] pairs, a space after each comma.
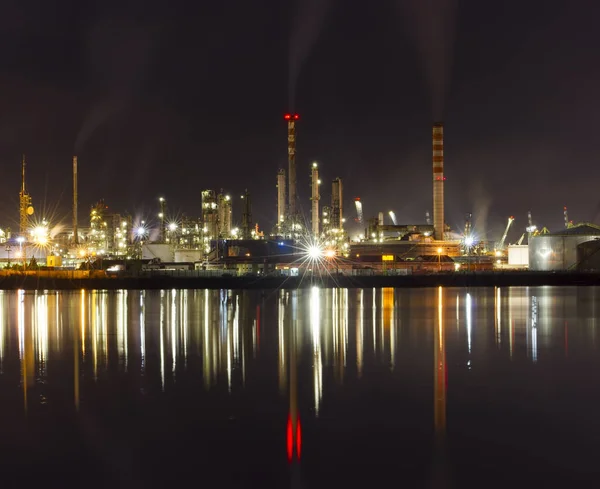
{"points": [[291, 121], [75, 231], [438, 180], [246, 215]]}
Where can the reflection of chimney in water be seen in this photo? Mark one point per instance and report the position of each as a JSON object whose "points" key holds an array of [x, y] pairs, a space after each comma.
{"points": [[440, 374], [294, 430]]}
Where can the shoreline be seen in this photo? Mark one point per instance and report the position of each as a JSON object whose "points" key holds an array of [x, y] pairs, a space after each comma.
{"points": [[473, 279]]}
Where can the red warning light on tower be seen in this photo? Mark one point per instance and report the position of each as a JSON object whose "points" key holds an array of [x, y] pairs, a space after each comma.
{"points": [[288, 117]]}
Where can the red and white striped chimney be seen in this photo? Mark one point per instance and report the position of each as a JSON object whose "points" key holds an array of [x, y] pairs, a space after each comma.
{"points": [[438, 180]]}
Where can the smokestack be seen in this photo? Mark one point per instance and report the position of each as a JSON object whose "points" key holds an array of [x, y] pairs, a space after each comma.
{"points": [[291, 121], [315, 198], [246, 215], [281, 214], [75, 231], [438, 180]]}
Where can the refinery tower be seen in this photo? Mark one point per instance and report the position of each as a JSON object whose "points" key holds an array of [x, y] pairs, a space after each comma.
{"points": [[438, 180]]}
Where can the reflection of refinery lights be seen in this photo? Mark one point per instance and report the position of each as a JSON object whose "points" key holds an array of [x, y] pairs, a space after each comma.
{"points": [[162, 338], [360, 332], [122, 327], [41, 329], [534, 315], [498, 307], [142, 332], [173, 332], [315, 318], [281, 338], [469, 324], [2, 326]]}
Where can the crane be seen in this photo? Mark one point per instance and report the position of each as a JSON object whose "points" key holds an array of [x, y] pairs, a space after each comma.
{"points": [[500, 244]]}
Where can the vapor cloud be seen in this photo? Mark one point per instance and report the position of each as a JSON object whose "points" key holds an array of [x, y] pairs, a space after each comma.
{"points": [[431, 25], [118, 55], [307, 23], [481, 201]]}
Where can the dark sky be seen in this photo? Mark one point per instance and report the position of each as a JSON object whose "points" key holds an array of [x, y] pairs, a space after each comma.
{"points": [[169, 98]]}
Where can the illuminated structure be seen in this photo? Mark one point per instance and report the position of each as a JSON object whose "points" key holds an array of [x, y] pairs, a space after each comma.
{"points": [[187, 234], [336, 204], [438, 180], [563, 249], [210, 215], [25, 207], [292, 197], [281, 196], [75, 201], [162, 215], [224, 212], [359, 210], [315, 198], [109, 232], [326, 219]]}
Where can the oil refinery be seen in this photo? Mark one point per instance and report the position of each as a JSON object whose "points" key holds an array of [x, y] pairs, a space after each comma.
{"points": [[328, 239]]}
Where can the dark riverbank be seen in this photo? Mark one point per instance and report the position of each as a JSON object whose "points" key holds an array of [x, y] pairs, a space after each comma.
{"points": [[500, 279]]}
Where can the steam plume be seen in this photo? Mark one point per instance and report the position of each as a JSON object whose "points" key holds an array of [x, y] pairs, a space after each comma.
{"points": [[307, 23], [431, 24]]}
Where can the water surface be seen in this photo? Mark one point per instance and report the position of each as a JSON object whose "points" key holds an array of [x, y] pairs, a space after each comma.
{"points": [[443, 387]]}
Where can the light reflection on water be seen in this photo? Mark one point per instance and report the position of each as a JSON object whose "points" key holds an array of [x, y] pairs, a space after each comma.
{"points": [[326, 338], [108, 324]]}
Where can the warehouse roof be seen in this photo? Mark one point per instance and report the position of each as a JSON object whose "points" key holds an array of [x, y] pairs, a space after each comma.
{"points": [[581, 229]]}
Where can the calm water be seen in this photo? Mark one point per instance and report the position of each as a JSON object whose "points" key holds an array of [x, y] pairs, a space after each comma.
{"points": [[312, 388]]}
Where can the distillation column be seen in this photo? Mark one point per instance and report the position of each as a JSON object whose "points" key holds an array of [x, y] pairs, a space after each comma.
{"points": [[281, 214], [315, 198]]}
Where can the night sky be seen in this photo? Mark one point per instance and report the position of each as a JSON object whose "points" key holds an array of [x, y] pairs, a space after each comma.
{"points": [[169, 98]]}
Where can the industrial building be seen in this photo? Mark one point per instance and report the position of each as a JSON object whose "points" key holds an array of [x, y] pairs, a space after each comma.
{"points": [[564, 249], [213, 240]]}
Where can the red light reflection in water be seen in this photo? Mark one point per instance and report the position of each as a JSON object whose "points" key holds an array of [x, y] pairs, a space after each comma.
{"points": [[298, 439], [290, 439]]}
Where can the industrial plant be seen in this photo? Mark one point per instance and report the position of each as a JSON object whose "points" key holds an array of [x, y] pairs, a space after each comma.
{"points": [[323, 240]]}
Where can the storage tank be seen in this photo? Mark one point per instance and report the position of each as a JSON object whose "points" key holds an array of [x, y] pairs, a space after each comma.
{"points": [[558, 251]]}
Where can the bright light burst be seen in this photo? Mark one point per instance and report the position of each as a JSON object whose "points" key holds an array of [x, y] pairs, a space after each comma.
{"points": [[315, 252]]}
